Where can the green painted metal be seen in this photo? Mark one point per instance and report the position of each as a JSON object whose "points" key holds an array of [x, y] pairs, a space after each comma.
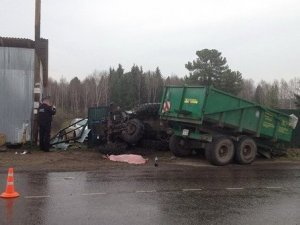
{"points": [[295, 142], [194, 105], [96, 118], [97, 114]]}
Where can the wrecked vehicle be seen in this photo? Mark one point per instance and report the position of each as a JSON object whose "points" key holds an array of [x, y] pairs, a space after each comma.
{"points": [[105, 125], [156, 132], [115, 130], [225, 126]]}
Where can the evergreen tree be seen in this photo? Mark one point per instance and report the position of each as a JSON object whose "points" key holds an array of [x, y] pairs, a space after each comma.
{"points": [[231, 81], [210, 68], [159, 82], [115, 85]]}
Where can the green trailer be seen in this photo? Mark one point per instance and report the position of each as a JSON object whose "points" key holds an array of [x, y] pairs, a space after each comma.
{"points": [[226, 126]]}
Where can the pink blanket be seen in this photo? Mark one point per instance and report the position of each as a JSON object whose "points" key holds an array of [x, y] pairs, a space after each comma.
{"points": [[129, 158]]}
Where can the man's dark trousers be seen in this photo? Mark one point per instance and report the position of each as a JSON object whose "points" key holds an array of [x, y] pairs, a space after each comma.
{"points": [[45, 137]]}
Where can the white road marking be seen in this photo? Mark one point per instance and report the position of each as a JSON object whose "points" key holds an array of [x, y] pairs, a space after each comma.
{"points": [[38, 196], [151, 191], [234, 188], [69, 178], [192, 189], [64, 178], [99, 193]]}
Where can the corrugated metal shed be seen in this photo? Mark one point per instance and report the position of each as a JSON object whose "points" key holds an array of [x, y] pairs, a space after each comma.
{"points": [[40, 46], [16, 92]]}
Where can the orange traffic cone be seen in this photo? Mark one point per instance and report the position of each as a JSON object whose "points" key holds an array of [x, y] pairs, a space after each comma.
{"points": [[10, 188]]}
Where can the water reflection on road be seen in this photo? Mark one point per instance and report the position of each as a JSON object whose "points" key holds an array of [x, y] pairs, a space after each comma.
{"points": [[165, 195]]}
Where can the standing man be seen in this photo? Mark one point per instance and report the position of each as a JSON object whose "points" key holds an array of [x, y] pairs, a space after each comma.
{"points": [[46, 112]]}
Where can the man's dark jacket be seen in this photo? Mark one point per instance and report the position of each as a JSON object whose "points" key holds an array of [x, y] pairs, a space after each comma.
{"points": [[45, 114]]}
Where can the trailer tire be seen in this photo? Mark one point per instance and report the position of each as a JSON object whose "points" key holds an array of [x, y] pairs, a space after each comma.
{"points": [[148, 110], [208, 154], [220, 151], [134, 131], [246, 150], [179, 146]]}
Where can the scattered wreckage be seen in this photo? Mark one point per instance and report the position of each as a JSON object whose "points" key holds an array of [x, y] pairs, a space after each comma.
{"points": [[77, 131]]}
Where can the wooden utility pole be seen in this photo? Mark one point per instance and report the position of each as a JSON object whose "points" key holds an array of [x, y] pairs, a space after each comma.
{"points": [[37, 69], [37, 20]]}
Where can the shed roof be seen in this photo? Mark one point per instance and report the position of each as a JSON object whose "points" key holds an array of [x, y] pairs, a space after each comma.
{"points": [[16, 42], [41, 49]]}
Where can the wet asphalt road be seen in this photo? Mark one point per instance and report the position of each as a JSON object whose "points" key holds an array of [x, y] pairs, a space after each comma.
{"points": [[169, 194]]}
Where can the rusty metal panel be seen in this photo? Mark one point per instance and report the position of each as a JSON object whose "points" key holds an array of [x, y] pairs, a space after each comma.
{"points": [[16, 93], [16, 42]]}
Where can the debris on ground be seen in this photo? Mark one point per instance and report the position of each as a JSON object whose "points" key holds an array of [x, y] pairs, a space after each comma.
{"points": [[3, 149], [60, 144], [25, 152], [129, 158], [76, 132], [84, 135], [156, 161], [292, 153]]}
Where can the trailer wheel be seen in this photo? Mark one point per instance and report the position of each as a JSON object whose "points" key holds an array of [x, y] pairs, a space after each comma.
{"points": [[179, 146], [220, 151], [134, 131], [246, 150]]}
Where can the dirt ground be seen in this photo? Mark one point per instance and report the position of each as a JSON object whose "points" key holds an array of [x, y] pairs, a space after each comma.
{"points": [[83, 159], [75, 159]]}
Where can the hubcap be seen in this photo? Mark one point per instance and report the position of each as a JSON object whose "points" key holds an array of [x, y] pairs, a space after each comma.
{"points": [[247, 151], [131, 129], [223, 151]]}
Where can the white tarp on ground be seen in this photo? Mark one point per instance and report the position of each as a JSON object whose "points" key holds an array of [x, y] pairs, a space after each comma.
{"points": [[16, 92], [129, 158]]}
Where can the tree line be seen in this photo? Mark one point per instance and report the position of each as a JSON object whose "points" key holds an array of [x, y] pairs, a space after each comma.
{"points": [[125, 89], [135, 87]]}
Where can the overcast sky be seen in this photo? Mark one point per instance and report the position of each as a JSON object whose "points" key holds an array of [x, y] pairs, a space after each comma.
{"points": [[260, 38]]}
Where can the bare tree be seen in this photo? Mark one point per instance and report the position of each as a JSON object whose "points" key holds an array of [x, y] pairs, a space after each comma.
{"points": [[248, 89]]}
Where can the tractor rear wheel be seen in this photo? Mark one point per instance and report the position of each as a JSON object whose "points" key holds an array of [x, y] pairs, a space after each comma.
{"points": [[134, 131]]}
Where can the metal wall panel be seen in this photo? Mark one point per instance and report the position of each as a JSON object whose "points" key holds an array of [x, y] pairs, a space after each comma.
{"points": [[16, 92]]}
